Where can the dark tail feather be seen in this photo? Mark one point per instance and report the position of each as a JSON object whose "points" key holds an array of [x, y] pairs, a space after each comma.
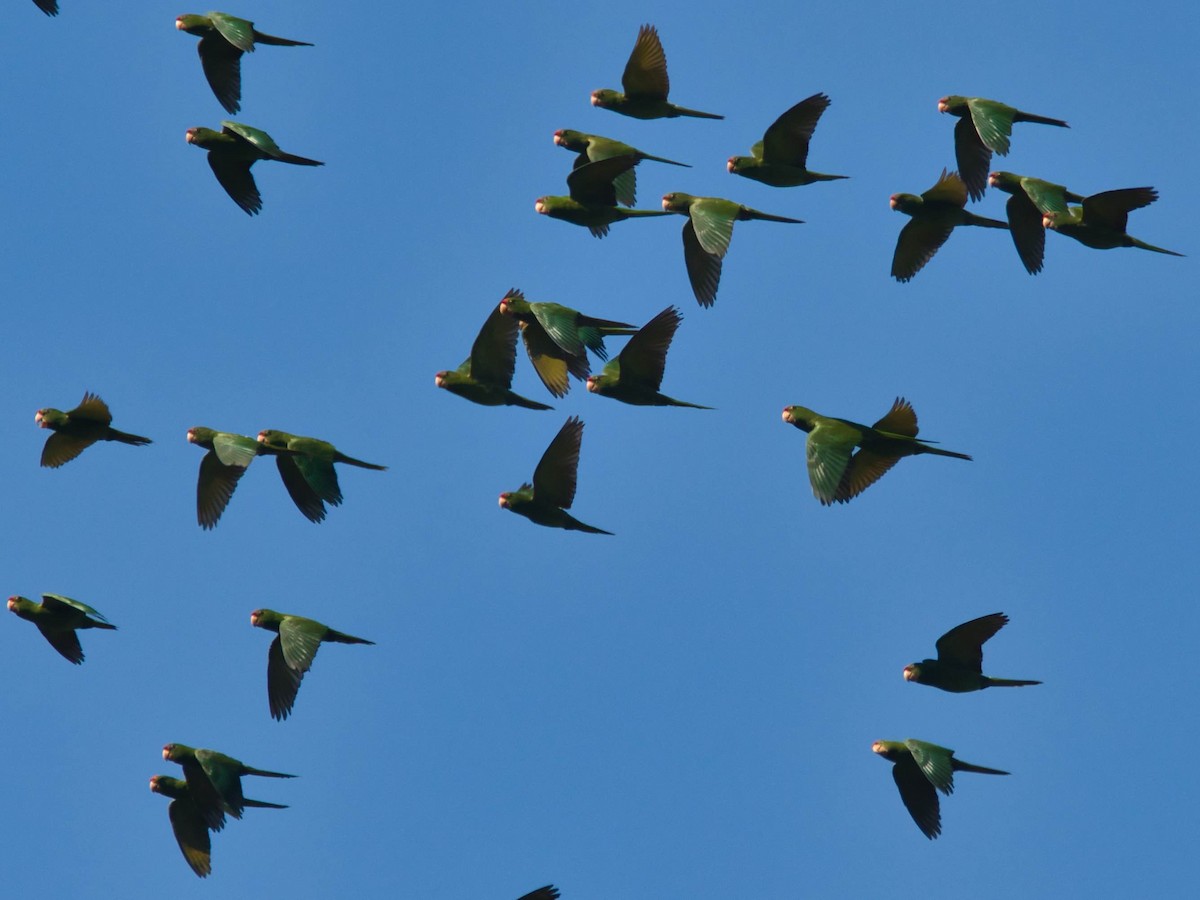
{"points": [[767, 217], [1009, 682], [1041, 120], [668, 161], [126, 438], [297, 160], [351, 461], [342, 638], [263, 804], [526, 403], [984, 222], [260, 38], [104, 625], [671, 401], [959, 766], [1146, 246], [938, 451], [247, 770], [695, 114]]}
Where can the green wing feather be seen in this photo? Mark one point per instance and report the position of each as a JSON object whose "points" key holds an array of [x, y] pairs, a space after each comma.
{"points": [[554, 477], [237, 31]]}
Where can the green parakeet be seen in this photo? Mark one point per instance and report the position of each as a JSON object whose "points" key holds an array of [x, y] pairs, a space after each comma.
{"points": [[228, 457], [552, 492], [837, 473], [645, 84], [780, 159], [935, 214], [1101, 221], [306, 466], [49, 7], [292, 653], [77, 429], [959, 664], [983, 128], [223, 40], [214, 781], [593, 148], [187, 821], [921, 770], [635, 375], [549, 892], [593, 200], [486, 375], [1031, 197], [706, 236], [231, 153], [58, 618]]}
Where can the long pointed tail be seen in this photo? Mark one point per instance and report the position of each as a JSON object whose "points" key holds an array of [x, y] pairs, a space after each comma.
{"points": [[1009, 682], [671, 401], [694, 113], [351, 461], [260, 38], [126, 438], [984, 222], [297, 160], [959, 766], [1040, 120], [525, 402], [342, 638], [748, 213], [263, 804], [938, 451], [247, 770], [1146, 246], [665, 160]]}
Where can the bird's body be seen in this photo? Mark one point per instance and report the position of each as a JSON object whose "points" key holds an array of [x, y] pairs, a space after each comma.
{"points": [[920, 770], [306, 466], [983, 128], [223, 40], [1031, 198], [637, 372], [959, 664], [77, 429], [645, 84], [231, 153], [593, 148], [592, 203], [935, 214], [836, 471], [485, 377], [780, 159], [1101, 220], [214, 781], [58, 618], [707, 234], [292, 652], [546, 500]]}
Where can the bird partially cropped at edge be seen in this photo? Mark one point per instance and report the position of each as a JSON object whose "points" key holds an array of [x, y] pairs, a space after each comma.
{"points": [[935, 214], [645, 84], [49, 7], [780, 159], [635, 375], [959, 664], [223, 40], [549, 892], [214, 781], [187, 821], [306, 466], [593, 148], [707, 234], [592, 203], [58, 618], [547, 499], [983, 128], [77, 429], [291, 654], [1101, 221], [485, 377], [836, 471], [1031, 197], [231, 153], [920, 770]]}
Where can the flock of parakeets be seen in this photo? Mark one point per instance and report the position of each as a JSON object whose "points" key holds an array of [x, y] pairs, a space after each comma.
{"points": [[844, 458]]}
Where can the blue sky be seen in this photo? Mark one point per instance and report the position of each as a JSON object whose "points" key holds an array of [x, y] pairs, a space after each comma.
{"points": [[686, 709]]}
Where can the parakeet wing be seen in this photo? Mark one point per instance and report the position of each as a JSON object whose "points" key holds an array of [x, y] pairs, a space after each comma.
{"points": [[919, 796], [237, 31], [306, 499], [554, 477], [644, 357], [494, 353], [866, 467], [93, 409], [714, 227], [993, 121], [321, 477], [226, 781], [972, 155], [64, 640], [963, 644], [934, 762], [919, 240], [646, 71], [1111, 208], [58, 601], [283, 681], [828, 450], [235, 449], [61, 448], [191, 833], [214, 488], [1025, 224], [592, 184], [233, 174], [301, 638], [786, 141], [703, 268]]}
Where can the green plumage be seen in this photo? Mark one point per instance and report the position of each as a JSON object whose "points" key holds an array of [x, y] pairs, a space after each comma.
{"points": [[231, 153], [485, 377], [780, 159], [637, 372], [645, 84], [707, 234], [836, 471], [1031, 198], [592, 203], [306, 466], [959, 664], [547, 499], [921, 770], [228, 457], [1101, 221], [58, 618], [77, 429], [593, 148], [214, 781], [935, 214], [291, 654]]}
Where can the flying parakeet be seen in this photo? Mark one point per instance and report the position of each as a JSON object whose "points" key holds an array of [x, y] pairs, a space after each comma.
{"points": [[921, 770], [983, 128], [223, 40], [836, 472], [306, 466], [1031, 197], [486, 375], [214, 781], [1101, 221], [935, 214], [780, 159], [635, 375], [231, 153], [292, 653], [645, 84], [228, 457], [706, 236], [58, 618], [77, 429], [547, 499], [593, 196], [593, 148], [959, 664]]}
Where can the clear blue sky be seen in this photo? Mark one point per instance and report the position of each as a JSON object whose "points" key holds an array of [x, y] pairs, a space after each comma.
{"points": [[684, 710]]}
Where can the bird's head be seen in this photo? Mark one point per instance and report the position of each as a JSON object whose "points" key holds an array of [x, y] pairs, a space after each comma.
{"points": [[14, 603], [190, 135], [593, 383], [1050, 220], [191, 23], [504, 498], [605, 97], [912, 672], [734, 164], [951, 103], [541, 206], [50, 418], [884, 749], [677, 202], [905, 203], [440, 378], [802, 418]]}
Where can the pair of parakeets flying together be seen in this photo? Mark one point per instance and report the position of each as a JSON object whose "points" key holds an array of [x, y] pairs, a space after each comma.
{"points": [[921, 769]]}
